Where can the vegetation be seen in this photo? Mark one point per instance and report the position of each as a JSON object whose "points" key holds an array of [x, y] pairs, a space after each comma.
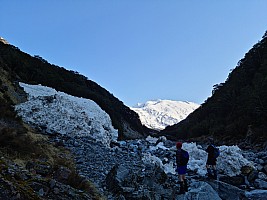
{"points": [[236, 106], [21, 145], [36, 70]]}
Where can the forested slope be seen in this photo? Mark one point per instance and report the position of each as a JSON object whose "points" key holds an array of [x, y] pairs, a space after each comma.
{"points": [[237, 107]]}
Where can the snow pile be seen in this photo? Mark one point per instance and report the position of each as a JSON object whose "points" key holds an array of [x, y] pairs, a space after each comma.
{"points": [[151, 140], [229, 162], [57, 112], [197, 158], [152, 159], [161, 113]]}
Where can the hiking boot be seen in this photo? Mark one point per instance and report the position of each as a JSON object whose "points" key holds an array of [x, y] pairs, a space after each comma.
{"points": [[182, 191], [215, 174], [210, 176], [185, 185]]}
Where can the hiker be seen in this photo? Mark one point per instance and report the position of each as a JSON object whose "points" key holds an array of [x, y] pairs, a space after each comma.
{"points": [[213, 153], [182, 158]]}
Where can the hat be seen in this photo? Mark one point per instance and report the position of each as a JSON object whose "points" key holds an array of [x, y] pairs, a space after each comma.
{"points": [[179, 145]]}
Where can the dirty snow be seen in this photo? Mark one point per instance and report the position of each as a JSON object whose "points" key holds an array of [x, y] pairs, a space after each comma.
{"points": [[58, 112], [229, 162]]}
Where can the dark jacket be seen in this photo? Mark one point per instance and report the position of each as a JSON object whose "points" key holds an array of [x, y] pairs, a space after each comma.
{"points": [[211, 158], [182, 157]]}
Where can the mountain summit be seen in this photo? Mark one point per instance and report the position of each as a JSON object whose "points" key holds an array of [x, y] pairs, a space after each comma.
{"points": [[159, 114]]}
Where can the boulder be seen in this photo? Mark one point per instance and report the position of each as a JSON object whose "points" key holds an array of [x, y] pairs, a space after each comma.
{"points": [[253, 175], [116, 177], [39, 188], [227, 191], [149, 184], [262, 176], [200, 190], [62, 174], [256, 195], [261, 184], [245, 170], [265, 168], [235, 180]]}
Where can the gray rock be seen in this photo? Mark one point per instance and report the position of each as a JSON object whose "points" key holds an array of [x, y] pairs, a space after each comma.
{"points": [[62, 174], [259, 167], [52, 183], [116, 177], [235, 180], [262, 176], [227, 191], [245, 170], [41, 192], [200, 190], [253, 175], [265, 168], [256, 195], [261, 184]]}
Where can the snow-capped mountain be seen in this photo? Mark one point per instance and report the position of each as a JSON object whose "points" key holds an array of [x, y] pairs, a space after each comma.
{"points": [[161, 113]]}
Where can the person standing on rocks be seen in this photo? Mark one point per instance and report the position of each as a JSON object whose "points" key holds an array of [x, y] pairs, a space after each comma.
{"points": [[182, 158], [213, 153]]}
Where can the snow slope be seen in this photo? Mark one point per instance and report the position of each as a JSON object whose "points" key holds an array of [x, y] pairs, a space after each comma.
{"points": [[57, 112], [161, 113]]}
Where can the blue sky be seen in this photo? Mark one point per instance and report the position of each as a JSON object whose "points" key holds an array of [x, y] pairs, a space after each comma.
{"points": [[139, 50]]}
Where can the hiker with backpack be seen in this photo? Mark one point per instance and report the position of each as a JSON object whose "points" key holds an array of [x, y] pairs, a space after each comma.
{"points": [[213, 153], [182, 158]]}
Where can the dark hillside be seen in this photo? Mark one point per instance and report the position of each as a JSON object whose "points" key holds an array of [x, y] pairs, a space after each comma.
{"points": [[21, 147], [237, 109], [36, 70]]}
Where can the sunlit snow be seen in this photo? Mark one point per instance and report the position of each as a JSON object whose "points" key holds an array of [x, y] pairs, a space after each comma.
{"points": [[161, 113], [58, 112], [229, 162]]}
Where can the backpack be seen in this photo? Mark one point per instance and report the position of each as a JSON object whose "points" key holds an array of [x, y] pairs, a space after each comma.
{"points": [[184, 157], [216, 152]]}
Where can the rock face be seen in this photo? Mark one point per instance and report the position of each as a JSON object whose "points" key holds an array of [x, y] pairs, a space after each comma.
{"points": [[3, 40]]}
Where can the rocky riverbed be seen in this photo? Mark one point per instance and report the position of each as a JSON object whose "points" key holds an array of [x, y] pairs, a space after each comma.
{"points": [[145, 169]]}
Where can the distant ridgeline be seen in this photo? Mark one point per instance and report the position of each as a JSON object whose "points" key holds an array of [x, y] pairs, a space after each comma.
{"points": [[36, 70], [237, 108]]}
